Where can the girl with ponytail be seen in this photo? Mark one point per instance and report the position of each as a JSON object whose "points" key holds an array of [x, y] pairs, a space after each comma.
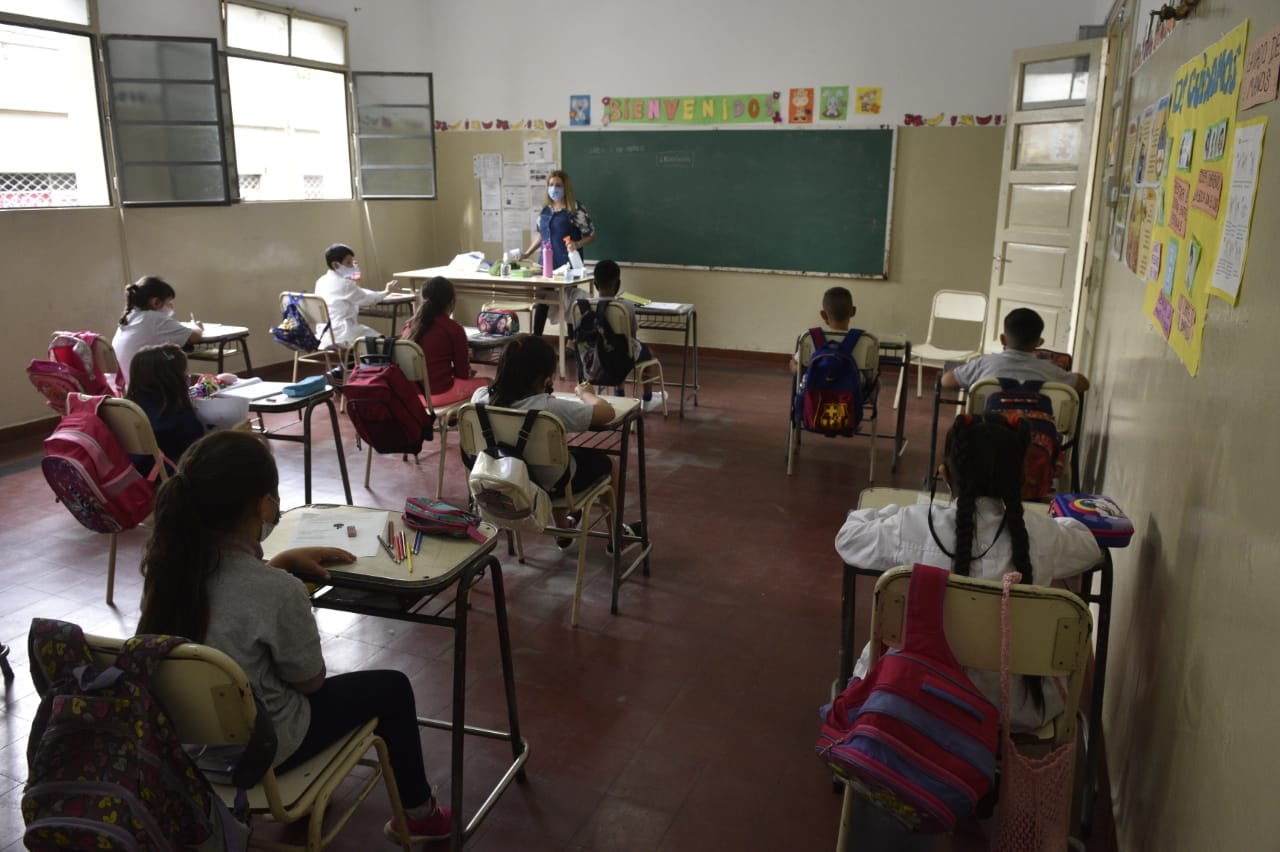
{"points": [[444, 344], [205, 579], [148, 321], [983, 532]]}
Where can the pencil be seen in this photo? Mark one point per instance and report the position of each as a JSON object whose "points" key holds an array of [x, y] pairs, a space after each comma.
{"points": [[387, 548], [411, 561], [417, 541], [404, 551]]}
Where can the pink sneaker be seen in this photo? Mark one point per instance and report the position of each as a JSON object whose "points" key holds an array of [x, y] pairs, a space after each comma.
{"points": [[434, 826]]}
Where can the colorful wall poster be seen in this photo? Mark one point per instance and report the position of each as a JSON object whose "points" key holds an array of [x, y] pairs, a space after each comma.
{"points": [[1152, 33], [1261, 71], [1155, 165], [1247, 157], [800, 110], [1186, 150], [762, 108], [579, 110], [1205, 94], [1171, 259], [833, 101], [1215, 141], [868, 100]]}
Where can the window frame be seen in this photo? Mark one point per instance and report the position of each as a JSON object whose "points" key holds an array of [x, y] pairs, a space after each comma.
{"points": [[358, 165], [288, 58], [89, 31], [227, 160]]}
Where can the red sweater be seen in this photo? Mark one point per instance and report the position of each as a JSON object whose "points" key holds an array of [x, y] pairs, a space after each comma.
{"points": [[444, 346]]}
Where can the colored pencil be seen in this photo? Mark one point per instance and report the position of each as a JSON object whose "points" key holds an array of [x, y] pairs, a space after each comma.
{"points": [[417, 541], [387, 548], [411, 552]]}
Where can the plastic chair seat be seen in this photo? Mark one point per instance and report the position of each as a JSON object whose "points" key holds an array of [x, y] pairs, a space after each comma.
{"points": [[300, 787], [929, 352]]}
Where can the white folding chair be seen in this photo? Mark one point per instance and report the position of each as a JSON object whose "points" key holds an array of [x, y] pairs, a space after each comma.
{"points": [[956, 306], [866, 354], [316, 311], [548, 445]]}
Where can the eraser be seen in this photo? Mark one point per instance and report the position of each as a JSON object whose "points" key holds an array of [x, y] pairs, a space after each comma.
{"points": [[351, 531]]}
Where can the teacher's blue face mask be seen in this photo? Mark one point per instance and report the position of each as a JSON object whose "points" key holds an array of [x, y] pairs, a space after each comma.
{"points": [[556, 193]]}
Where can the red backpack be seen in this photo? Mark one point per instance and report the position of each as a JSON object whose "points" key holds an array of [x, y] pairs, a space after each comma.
{"points": [[92, 475], [384, 406], [829, 397], [1024, 402], [70, 368], [915, 736]]}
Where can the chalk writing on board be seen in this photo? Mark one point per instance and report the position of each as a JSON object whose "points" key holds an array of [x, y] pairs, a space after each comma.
{"points": [[678, 159]]}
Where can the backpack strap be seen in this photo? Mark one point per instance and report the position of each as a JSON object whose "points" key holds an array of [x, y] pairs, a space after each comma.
{"points": [[851, 338], [922, 626], [530, 417], [140, 653], [819, 339], [486, 428]]}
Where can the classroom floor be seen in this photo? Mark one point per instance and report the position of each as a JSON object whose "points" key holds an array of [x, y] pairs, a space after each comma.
{"points": [[686, 722]]}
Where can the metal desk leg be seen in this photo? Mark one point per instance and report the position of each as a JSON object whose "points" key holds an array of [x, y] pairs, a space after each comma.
{"points": [[1091, 782], [901, 441], [684, 366], [933, 436], [459, 717], [244, 348], [620, 500], [508, 666], [306, 450], [693, 317], [848, 600], [222, 346], [342, 456], [644, 493]]}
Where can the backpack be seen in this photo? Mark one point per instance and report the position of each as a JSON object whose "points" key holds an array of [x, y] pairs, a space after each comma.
{"points": [[915, 736], [1023, 401], [829, 398], [91, 474], [294, 331], [603, 354], [70, 368], [106, 767], [435, 517], [384, 406], [505, 493]]}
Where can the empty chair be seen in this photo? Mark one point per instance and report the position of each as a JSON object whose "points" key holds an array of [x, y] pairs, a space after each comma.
{"points": [[315, 310], [955, 305]]}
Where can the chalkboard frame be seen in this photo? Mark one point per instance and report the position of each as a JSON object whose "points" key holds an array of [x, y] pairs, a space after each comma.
{"points": [[888, 230]]}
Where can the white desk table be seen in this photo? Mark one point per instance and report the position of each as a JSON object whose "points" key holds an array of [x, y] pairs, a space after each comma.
{"points": [[669, 316], [494, 287], [213, 342], [391, 307]]}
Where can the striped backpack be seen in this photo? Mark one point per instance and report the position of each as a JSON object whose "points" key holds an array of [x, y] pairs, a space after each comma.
{"points": [[915, 736]]}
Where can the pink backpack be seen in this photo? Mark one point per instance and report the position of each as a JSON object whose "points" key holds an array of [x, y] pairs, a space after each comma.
{"points": [[70, 369], [92, 475]]}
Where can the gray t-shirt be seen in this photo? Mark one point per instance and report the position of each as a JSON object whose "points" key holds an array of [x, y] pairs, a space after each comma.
{"points": [[261, 617], [1012, 364], [575, 415]]}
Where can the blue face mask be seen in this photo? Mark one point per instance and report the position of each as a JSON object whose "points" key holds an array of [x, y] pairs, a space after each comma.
{"points": [[555, 193]]}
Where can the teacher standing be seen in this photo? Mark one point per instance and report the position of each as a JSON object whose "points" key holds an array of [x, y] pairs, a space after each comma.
{"points": [[562, 216]]}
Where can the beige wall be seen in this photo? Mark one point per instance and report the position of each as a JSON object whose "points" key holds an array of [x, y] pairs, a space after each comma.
{"points": [[1192, 690], [944, 213]]}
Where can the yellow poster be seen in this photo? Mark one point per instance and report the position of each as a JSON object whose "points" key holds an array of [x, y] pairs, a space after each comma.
{"points": [[1201, 126]]}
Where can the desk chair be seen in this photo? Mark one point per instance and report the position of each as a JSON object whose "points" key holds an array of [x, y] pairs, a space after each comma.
{"points": [[408, 356], [1050, 638], [1066, 413], [956, 305], [866, 354], [130, 426], [316, 311], [210, 701], [548, 445], [644, 372]]}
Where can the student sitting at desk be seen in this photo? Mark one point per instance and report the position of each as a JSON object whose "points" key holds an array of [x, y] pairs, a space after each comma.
{"points": [[837, 312], [205, 580], [1023, 330], [148, 321], [981, 533], [524, 380], [444, 344], [608, 281], [344, 297], [158, 384]]}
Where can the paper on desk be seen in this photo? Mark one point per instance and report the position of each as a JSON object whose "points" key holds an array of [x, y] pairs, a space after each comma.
{"points": [[672, 307], [487, 166], [250, 389], [515, 174], [490, 195], [537, 150], [329, 529], [492, 225]]}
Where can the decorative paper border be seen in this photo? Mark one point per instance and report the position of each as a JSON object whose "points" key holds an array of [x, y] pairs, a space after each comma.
{"points": [[942, 119]]}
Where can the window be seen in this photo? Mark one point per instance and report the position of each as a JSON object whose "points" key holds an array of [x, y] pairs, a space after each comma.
{"points": [[166, 105], [287, 75], [61, 11], [249, 186], [52, 153], [395, 135]]}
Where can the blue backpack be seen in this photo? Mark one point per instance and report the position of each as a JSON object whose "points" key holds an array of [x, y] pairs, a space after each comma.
{"points": [[294, 331], [829, 398]]}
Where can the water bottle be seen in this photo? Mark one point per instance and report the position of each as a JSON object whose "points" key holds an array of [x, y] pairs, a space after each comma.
{"points": [[575, 258], [546, 259]]}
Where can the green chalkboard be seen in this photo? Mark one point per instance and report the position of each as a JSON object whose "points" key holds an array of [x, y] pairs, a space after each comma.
{"points": [[794, 200]]}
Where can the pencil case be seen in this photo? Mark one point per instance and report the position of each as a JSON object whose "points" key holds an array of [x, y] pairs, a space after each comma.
{"points": [[306, 387], [1110, 526], [435, 517]]}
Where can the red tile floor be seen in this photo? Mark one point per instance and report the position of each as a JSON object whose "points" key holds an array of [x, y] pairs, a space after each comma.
{"points": [[686, 722]]}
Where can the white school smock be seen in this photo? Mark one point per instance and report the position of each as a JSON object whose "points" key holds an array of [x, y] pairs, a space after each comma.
{"points": [[345, 298], [145, 328], [880, 539]]}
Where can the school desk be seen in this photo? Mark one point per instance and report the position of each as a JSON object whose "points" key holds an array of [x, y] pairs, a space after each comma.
{"points": [[445, 571], [390, 307], [670, 316], [878, 498], [213, 343], [614, 439], [492, 287], [269, 398]]}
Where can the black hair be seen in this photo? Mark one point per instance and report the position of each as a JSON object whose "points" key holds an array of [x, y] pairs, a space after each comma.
{"points": [[838, 304], [984, 456], [139, 294], [1023, 328], [437, 298], [526, 364], [159, 374], [608, 276], [220, 480], [337, 253]]}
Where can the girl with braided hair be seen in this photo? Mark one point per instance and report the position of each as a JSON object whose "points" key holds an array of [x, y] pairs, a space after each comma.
{"points": [[983, 532]]}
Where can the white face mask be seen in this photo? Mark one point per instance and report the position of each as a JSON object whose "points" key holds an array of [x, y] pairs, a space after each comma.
{"points": [[167, 312], [352, 272], [269, 526]]}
